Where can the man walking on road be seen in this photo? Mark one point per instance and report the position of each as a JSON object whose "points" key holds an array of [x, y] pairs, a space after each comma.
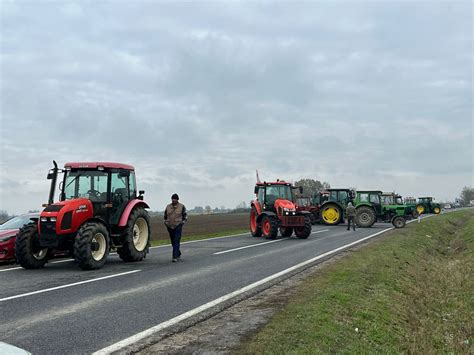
{"points": [[175, 217], [350, 212]]}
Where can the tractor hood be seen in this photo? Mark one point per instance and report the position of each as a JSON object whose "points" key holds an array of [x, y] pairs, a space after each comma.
{"points": [[285, 205], [66, 216]]}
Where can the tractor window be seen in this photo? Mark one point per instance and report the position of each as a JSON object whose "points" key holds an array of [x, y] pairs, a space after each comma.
{"points": [[374, 199], [343, 197], [399, 201], [120, 197], [274, 192], [386, 200], [133, 186], [261, 193], [364, 197], [88, 184], [333, 196]]}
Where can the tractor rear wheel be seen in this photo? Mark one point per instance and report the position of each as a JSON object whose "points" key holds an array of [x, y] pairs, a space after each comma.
{"points": [[304, 231], [269, 227], [91, 246], [136, 236], [437, 210], [255, 227], [398, 222], [29, 254], [330, 214], [365, 217], [420, 208], [414, 213], [286, 231]]}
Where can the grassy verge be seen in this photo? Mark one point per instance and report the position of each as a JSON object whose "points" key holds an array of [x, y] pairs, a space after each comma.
{"points": [[202, 236], [410, 291]]}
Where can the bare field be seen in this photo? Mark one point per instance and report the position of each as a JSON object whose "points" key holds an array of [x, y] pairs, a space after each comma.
{"points": [[199, 225]]}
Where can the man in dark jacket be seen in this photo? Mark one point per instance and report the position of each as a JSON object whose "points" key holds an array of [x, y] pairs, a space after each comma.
{"points": [[175, 217], [350, 212]]}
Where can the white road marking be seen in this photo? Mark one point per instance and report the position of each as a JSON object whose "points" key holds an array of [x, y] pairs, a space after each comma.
{"points": [[65, 286], [323, 230], [201, 240], [249, 246], [139, 336]]}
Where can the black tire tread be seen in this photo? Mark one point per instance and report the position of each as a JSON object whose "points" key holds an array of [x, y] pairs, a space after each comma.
{"points": [[23, 253], [82, 246], [306, 230], [127, 251]]}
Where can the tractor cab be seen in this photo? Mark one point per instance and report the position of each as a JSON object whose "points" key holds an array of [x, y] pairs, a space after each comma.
{"points": [[371, 198], [276, 196]]}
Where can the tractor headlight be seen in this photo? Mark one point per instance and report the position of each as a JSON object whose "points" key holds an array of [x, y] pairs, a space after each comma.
{"points": [[53, 219], [44, 219]]}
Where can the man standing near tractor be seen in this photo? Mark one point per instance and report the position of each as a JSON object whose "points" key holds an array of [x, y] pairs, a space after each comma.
{"points": [[175, 216], [350, 212]]}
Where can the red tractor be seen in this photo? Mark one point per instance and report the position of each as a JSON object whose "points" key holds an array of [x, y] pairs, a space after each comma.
{"points": [[274, 210], [99, 209]]}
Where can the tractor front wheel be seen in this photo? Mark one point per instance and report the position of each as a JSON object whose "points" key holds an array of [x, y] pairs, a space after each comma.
{"points": [[365, 217], [91, 246], [269, 227], [255, 227], [398, 222], [304, 231], [136, 237], [286, 231], [437, 210], [29, 254], [330, 214]]}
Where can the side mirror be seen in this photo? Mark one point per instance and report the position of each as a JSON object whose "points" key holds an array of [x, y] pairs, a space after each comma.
{"points": [[255, 190], [50, 175], [141, 192]]}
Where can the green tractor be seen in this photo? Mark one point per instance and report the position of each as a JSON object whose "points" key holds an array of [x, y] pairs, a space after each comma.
{"points": [[332, 204], [426, 205], [369, 209], [391, 200]]}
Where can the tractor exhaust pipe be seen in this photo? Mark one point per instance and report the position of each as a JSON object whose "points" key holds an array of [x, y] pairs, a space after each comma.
{"points": [[53, 176]]}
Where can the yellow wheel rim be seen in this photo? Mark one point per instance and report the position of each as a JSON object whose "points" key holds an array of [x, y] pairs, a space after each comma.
{"points": [[420, 209], [436, 210], [330, 215]]}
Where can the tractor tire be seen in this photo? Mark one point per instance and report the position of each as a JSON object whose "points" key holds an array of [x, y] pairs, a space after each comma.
{"points": [[255, 227], [91, 246], [28, 252], [269, 227], [420, 208], [414, 213], [398, 222], [314, 218], [365, 217], [330, 214], [304, 231], [436, 210], [286, 231], [136, 237]]}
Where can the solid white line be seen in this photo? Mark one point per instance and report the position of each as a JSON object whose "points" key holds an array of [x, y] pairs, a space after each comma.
{"points": [[139, 336], [249, 246], [65, 286]]}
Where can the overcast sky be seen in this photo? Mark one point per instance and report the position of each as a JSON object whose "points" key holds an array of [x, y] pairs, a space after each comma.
{"points": [[375, 95]]}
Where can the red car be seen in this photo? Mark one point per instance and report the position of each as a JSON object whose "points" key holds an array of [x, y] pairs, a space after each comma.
{"points": [[8, 232]]}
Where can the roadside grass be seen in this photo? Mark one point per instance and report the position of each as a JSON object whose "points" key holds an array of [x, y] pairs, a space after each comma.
{"points": [[200, 237], [410, 291]]}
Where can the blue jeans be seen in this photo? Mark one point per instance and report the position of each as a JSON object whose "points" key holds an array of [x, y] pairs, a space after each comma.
{"points": [[175, 237]]}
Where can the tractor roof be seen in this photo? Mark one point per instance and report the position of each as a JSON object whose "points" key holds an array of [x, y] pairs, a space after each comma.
{"points": [[369, 191], [95, 165], [425, 197], [273, 183], [334, 189]]}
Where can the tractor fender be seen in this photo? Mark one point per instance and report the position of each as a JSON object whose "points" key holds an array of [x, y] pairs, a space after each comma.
{"points": [[97, 219], [126, 212], [257, 206], [265, 213]]}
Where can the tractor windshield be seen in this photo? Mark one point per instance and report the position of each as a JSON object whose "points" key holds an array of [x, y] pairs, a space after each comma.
{"points": [[274, 192], [91, 184], [399, 200]]}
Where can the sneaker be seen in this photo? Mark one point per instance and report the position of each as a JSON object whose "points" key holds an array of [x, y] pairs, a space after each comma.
{"points": [[174, 260]]}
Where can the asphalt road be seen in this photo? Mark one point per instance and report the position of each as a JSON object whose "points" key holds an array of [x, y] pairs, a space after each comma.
{"points": [[61, 309]]}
